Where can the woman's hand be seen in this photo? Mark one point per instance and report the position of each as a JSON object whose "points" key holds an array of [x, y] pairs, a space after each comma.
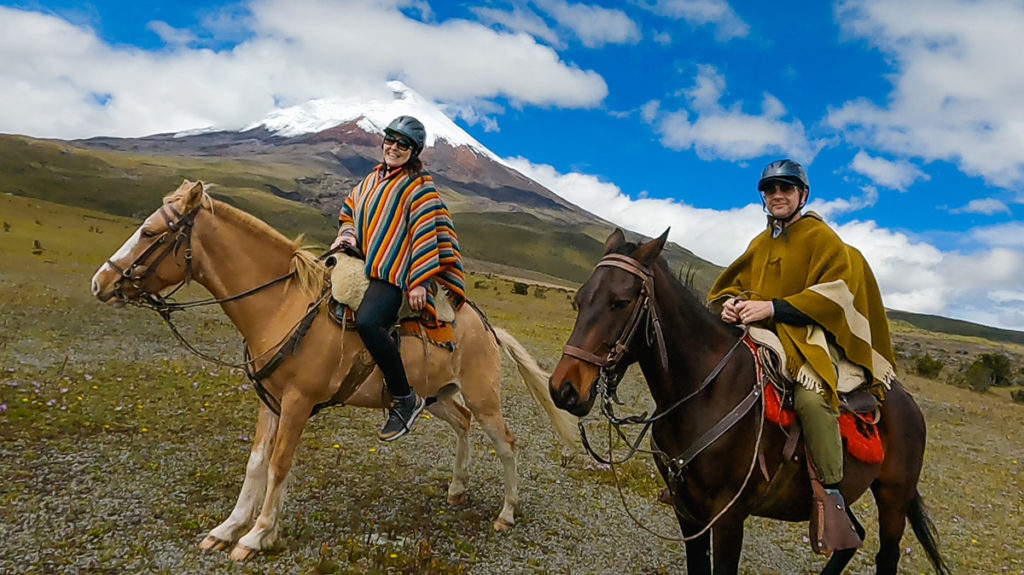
{"points": [[345, 239], [417, 298]]}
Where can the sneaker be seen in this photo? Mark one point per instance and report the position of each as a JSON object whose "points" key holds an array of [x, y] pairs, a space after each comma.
{"points": [[401, 416]]}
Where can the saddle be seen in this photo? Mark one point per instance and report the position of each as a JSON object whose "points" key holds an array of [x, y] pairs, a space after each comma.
{"points": [[349, 284]]}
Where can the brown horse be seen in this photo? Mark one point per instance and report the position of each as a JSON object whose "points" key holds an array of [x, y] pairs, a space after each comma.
{"points": [[239, 259], [699, 376]]}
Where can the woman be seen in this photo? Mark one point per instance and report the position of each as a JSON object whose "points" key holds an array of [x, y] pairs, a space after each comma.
{"points": [[397, 219]]}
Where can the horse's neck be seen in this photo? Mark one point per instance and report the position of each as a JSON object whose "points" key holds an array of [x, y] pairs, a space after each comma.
{"points": [[232, 259], [695, 342]]}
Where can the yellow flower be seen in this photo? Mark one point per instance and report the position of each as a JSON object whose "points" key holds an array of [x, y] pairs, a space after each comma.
{"points": [[144, 430], [373, 449], [336, 446]]}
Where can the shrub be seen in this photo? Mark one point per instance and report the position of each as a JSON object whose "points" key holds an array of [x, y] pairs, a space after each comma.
{"points": [[927, 366], [978, 377], [540, 292], [519, 288], [1000, 367]]}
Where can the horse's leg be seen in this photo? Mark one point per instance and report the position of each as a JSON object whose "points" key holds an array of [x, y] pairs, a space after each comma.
{"points": [[295, 411], [727, 544], [840, 559], [505, 446], [892, 520], [698, 550], [253, 487], [458, 417]]}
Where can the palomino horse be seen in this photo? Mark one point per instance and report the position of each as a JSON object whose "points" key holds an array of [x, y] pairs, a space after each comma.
{"points": [[237, 258], [697, 382]]}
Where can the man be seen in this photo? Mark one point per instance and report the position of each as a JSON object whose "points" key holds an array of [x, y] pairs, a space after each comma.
{"points": [[800, 280]]}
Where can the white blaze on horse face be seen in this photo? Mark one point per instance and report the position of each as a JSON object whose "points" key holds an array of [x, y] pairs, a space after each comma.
{"points": [[121, 253]]}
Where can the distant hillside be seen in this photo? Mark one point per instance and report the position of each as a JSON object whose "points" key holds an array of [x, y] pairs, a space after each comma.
{"points": [[956, 327]]}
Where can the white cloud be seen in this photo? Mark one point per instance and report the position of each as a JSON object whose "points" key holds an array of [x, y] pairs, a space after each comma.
{"points": [[171, 35], [956, 90], [714, 131], [1005, 235], [717, 236], [716, 13], [833, 208], [60, 80], [593, 25], [986, 206], [896, 175], [519, 19]]}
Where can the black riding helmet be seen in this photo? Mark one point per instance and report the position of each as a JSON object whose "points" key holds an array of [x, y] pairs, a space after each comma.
{"points": [[409, 128], [784, 171]]}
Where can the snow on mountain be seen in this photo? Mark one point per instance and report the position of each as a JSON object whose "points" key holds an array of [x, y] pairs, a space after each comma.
{"points": [[373, 116]]}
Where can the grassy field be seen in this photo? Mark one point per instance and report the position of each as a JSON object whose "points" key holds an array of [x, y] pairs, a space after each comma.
{"points": [[119, 450]]}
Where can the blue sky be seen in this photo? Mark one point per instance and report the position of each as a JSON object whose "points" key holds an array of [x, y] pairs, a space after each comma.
{"points": [[908, 114]]}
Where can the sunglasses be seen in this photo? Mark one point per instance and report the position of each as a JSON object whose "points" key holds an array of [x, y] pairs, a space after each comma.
{"points": [[403, 144], [777, 187]]}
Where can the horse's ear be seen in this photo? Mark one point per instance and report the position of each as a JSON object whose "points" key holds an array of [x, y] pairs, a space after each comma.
{"points": [[649, 251], [615, 240], [193, 194]]}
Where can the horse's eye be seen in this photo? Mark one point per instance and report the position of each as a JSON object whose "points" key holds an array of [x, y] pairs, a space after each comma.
{"points": [[147, 233], [620, 303]]}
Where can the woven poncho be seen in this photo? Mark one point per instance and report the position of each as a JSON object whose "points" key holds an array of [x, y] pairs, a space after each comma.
{"points": [[403, 227], [809, 267]]}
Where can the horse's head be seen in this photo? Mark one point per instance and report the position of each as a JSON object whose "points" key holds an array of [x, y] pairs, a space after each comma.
{"points": [[611, 308], [158, 254]]}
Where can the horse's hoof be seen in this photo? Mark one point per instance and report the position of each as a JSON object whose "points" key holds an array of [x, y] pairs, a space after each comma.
{"points": [[502, 525], [459, 499], [242, 553], [211, 543]]}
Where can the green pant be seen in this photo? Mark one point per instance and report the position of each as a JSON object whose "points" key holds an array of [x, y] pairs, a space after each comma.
{"points": [[821, 433]]}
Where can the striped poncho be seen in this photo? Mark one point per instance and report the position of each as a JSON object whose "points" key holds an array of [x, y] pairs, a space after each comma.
{"points": [[403, 227], [811, 268]]}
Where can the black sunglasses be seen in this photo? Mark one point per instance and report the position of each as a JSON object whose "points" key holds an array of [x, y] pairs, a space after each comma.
{"points": [[402, 143]]}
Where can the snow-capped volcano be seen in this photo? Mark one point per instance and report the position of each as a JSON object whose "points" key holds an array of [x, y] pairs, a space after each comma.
{"points": [[372, 115]]}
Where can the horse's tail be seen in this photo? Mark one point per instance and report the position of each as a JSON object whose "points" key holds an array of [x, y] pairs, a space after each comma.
{"points": [[537, 382], [924, 529]]}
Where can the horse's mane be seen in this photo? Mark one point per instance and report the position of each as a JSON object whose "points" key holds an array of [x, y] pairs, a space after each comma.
{"points": [[310, 273]]}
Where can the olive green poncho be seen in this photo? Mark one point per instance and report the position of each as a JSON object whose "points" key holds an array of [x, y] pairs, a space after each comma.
{"points": [[809, 267]]}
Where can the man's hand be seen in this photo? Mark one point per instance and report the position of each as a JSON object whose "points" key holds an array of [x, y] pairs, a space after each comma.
{"points": [[417, 298], [345, 239], [747, 311]]}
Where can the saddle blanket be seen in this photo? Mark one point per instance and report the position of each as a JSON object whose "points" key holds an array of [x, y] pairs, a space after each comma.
{"points": [[860, 437]]}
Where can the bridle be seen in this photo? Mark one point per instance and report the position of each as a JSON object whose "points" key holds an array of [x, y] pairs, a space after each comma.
{"points": [[178, 235], [644, 316]]}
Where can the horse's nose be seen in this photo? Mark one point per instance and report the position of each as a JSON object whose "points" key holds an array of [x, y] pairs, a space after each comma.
{"points": [[564, 395]]}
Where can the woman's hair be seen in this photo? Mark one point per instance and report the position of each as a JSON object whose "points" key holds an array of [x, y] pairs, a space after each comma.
{"points": [[414, 165]]}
